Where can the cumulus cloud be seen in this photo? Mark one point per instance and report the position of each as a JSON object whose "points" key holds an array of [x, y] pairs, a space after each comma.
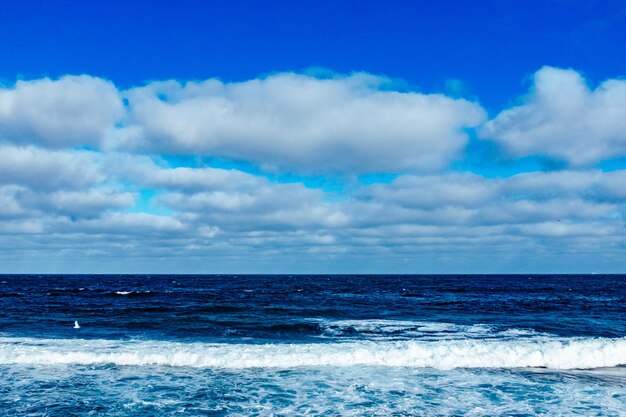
{"points": [[137, 224], [564, 118], [145, 171], [16, 201], [301, 123], [123, 199], [46, 169], [465, 198], [269, 206], [86, 203], [9, 206], [458, 213], [434, 191], [71, 111]]}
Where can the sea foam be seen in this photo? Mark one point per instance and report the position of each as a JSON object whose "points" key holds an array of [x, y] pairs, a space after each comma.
{"points": [[548, 352]]}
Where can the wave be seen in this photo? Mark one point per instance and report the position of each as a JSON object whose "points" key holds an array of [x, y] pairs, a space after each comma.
{"points": [[395, 326], [572, 353], [411, 330], [147, 293]]}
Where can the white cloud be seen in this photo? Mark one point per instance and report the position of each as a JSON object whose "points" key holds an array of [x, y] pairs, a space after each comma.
{"points": [[472, 200], [137, 224], [435, 191], [20, 227], [45, 169], [300, 123], [267, 207], [563, 118], [565, 230], [461, 215], [144, 171], [18, 201], [86, 203], [9, 206], [71, 111], [128, 202]]}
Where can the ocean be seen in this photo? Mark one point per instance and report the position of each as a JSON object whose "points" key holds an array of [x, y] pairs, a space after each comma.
{"points": [[283, 345]]}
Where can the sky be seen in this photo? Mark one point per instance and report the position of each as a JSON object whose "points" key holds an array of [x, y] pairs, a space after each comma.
{"points": [[313, 136]]}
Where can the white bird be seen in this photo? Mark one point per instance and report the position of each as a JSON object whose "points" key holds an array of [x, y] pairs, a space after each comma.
{"points": [[76, 325]]}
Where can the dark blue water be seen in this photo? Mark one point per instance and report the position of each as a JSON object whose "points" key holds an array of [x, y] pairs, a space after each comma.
{"points": [[331, 345]]}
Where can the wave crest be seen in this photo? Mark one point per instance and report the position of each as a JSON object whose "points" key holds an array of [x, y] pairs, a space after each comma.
{"points": [[574, 353]]}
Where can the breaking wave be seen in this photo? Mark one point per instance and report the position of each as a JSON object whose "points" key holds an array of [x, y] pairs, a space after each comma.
{"points": [[545, 352], [423, 330]]}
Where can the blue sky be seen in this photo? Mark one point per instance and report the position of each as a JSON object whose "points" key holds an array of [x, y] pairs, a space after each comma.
{"points": [[326, 136], [490, 46]]}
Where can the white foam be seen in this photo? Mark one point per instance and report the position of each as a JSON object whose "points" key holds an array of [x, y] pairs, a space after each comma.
{"points": [[573, 353], [384, 329], [132, 292]]}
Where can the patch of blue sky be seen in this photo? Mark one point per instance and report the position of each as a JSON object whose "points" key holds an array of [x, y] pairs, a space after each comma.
{"points": [[609, 165], [505, 167], [180, 161], [489, 160], [86, 148], [146, 203]]}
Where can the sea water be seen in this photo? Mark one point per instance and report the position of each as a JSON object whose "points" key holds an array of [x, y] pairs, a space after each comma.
{"points": [[273, 345]]}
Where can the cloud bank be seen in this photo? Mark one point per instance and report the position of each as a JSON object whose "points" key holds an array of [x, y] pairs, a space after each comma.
{"points": [[265, 176]]}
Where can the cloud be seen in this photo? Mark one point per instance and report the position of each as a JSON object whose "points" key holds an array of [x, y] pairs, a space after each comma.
{"points": [[71, 111], [16, 201], [304, 124], [9, 206], [588, 184], [124, 200], [137, 224], [434, 191], [43, 169], [434, 216], [473, 200], [564, 118], [143, 170], [86, 203], [267, 207]]}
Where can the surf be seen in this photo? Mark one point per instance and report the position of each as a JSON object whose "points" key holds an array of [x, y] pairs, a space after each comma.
{"points": [[552, 353]]}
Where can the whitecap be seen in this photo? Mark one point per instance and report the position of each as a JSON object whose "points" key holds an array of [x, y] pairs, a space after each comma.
{"points": [[539, 352]]}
